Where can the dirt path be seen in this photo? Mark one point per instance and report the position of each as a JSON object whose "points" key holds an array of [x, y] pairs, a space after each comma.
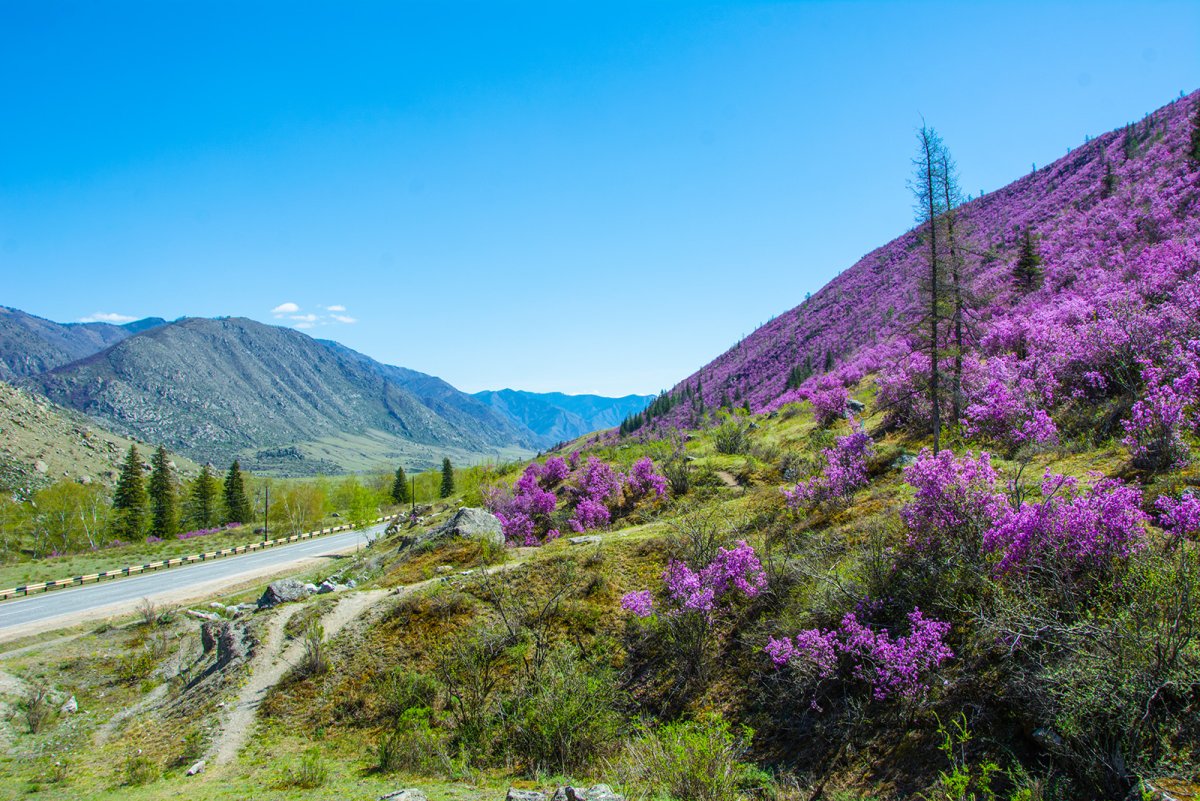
{"points": [[728, 478], [271, 663]]}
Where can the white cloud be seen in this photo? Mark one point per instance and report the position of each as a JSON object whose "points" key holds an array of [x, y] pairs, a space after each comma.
{"points": [[336, 308], [285, 308], [305, 318], [108, 317], [342, 318], [304, 325]]}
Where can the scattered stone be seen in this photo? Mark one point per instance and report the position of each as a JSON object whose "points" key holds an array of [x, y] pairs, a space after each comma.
{"points": [[196, 613], [328, 586], [409, 794], [196, 768], [282, 592], [443, 569], [587, 539], [856, 406], [70, 707], [335, 514], [524, 795], [1047, 738], [904, 460], [310, 588], [351, 584], [597, 792], [85, 480], [41, 466], [216, 605]]}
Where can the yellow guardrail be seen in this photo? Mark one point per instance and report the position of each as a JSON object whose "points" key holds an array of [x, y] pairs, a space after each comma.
{"points": [[133, 570]]}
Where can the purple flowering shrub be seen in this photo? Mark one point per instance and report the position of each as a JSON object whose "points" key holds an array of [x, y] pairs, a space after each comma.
{"points": [[956, 501], [592, 495], [1169, 407], [1179, 518], [845, 472], [891, 666], [734, 572], [1070, 530], [829, 405], [204, 532]]}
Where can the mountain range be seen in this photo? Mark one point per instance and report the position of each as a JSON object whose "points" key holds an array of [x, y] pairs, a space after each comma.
{"points": [[218, 389]]}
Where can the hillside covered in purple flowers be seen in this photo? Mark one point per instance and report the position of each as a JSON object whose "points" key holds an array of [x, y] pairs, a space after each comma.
{"points": [[1098, 341]]}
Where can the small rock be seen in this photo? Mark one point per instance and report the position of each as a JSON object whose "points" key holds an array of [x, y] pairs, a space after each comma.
{"points": [[310, 588], [856, 406], [597, 792], [41, 466], [208, 616], [409, 794], [328, 586], [196, 768], [70, 707], [904, 461], [524, 795], [351, 584], [442, 569], [216, 605], [335, 514], [587, 539], [1047, 738]]}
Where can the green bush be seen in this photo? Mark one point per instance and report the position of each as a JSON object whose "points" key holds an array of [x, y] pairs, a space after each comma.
{"points": [[307, 774], [140, 770], [563, 718], [696, 760], [414, 745]]}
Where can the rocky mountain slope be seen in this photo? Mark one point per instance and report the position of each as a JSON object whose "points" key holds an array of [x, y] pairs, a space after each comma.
{"points": [[30, 345], [41, 443], [1105, 218], [214, 389], [552, 417]]}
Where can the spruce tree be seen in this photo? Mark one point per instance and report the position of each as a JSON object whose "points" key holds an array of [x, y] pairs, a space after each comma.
{"points": [[237, 503], [447, 478], [164, 521], [203, 501], [1028, 272], [400, 487], [129, 500]]}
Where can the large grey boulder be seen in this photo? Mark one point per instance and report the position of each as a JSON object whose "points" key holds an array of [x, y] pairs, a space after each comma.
{"points": [[468, 523], [524, 795], [282, 592], [409, 794], [597, 792]]}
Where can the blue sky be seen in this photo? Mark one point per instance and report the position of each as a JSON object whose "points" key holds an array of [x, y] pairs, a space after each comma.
{"points": [[593, 197]]}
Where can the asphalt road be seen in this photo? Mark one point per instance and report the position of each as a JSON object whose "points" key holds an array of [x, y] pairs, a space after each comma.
{"points": [[68, 604]]}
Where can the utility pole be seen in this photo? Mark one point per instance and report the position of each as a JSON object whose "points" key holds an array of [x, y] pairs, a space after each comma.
{"points": [[266, 510]]}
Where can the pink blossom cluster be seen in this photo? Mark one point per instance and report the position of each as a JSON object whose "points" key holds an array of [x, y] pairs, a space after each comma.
{"points": [[594, 494], [956, 500], [829, 404], [1071, 529], [204, 532], [1179, 518], [733, 572], [893, 666], [845, 472], [1169, 407]]}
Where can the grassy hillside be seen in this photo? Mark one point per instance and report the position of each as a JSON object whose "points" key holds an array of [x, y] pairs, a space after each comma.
{"points": [[1052, 671], [41, 443]]}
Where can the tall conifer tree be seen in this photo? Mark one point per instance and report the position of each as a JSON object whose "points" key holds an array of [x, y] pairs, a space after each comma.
{"points": [[400, 487], [129, 500], [237, 503], [447, 478], [1028, 271], [164, 520], [203, 501]]}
